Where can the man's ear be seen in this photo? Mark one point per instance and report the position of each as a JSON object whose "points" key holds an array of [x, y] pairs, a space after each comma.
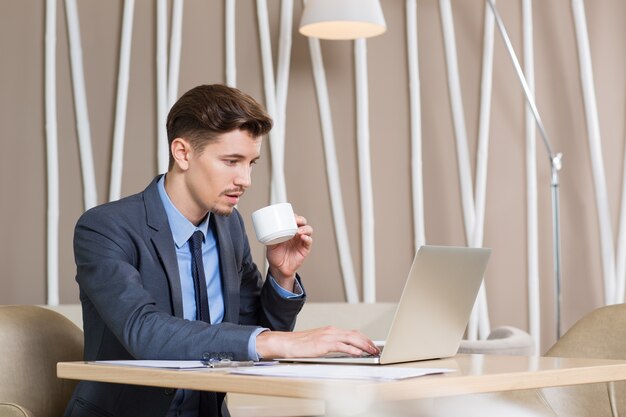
{"points": [[181, 150]]}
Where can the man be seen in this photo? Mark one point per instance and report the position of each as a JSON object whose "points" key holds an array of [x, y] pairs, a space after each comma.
{"points": [[167, 273]]}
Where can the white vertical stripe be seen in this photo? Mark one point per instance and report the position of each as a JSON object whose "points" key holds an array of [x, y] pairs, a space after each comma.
{"points": [[365, 174], [479, 321], [482, 153], [279, 192], [482, 149], [416, 125], [595, 148], [117, 158], [620, 269], [282, 79], [458, 118], [282, 71], [229, 36], [80, 105], [332, 173], [163, 150], [534, 316], [52, 159], [175, 51]]}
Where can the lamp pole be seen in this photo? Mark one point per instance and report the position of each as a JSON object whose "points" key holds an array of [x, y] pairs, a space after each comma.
{"points": [[555, 165]]}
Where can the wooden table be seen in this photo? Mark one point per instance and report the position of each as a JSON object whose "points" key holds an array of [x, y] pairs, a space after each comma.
{"points": [[474, 374]]}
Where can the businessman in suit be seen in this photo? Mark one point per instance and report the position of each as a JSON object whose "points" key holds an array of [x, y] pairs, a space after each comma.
{"points": [[167, 273]]}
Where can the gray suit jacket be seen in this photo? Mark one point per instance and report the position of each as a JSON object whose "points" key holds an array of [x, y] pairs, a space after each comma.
{"points": [[130, 292]]}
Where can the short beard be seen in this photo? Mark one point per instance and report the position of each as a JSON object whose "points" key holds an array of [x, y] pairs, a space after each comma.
{"points": [[224, 213]]}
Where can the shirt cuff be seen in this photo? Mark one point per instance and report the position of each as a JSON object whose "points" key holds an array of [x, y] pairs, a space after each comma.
{"points": [[298, 291], [252, 353]]}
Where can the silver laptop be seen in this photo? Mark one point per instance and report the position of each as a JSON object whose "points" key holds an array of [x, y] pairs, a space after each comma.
{"points": [[434, 308]]}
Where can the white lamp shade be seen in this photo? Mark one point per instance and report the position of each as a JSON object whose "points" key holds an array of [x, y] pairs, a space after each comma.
{"points": [[342, 19]]}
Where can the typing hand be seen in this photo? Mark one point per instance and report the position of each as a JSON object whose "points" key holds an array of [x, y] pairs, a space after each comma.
{"points": [[314, 343]]}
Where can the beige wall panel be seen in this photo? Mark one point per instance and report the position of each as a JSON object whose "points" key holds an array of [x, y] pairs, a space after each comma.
{"points": [[22, 169]]}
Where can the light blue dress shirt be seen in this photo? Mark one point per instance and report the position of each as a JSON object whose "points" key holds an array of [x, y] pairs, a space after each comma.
{"points": [[185, 402]]}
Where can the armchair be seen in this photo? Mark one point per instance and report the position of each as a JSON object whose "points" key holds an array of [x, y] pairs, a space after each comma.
{"points": [[34, 339]]}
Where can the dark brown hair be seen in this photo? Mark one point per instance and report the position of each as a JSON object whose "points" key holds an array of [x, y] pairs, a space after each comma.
{"points": [[206, 111]]}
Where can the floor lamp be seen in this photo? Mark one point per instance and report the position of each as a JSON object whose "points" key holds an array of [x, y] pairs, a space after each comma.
{"points": [[555, 165]]}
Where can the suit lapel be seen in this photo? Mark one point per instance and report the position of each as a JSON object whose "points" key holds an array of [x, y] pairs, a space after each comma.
{"points": [[228, 269], [161, 237]]}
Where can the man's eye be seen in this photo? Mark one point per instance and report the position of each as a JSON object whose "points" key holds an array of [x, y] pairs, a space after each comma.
{"points": [[253, 162], [231, 162]]}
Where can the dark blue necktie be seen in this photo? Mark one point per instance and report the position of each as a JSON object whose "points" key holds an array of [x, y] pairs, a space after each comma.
{"points": [[199, 280], [210, 402]]}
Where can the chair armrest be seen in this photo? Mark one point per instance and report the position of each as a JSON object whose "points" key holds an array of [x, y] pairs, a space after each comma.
{"points": [[14, 410], [505, 340]]}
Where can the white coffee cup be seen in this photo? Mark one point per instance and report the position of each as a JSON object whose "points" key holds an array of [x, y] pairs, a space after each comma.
{"points": [[274, 224]]}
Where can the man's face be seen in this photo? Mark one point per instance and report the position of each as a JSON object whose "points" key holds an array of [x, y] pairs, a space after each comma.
{"points": [[219, 174]]}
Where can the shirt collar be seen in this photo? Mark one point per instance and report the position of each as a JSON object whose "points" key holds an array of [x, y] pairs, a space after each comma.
{"points": [[182, 229]]}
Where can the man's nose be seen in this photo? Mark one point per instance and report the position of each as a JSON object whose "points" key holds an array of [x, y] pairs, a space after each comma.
{"points": [[244, 177]]}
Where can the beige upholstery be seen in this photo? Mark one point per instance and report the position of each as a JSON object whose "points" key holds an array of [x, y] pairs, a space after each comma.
{"points": [[73, 312], [34, 339], [504, 340], [600, 334]]}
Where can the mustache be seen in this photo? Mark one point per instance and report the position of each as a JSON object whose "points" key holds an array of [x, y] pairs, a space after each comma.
{"points": [[239, 191]]}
